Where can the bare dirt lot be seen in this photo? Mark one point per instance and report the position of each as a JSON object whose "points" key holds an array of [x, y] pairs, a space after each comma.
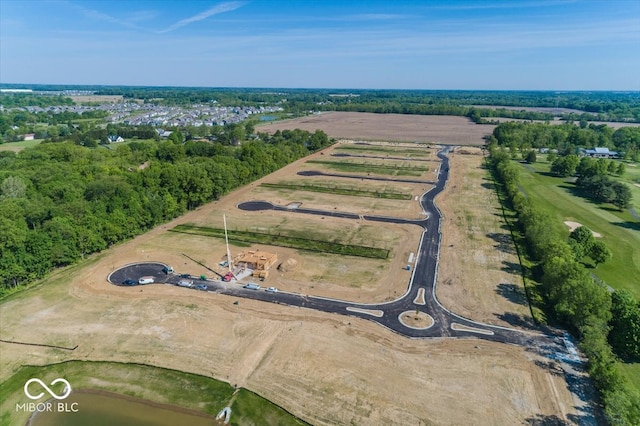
{"points": [[326, 368], [479, 274], [97, 98], [389, 127]]}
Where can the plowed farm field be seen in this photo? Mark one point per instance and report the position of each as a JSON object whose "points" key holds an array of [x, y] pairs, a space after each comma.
{"points": [[437, 129]]}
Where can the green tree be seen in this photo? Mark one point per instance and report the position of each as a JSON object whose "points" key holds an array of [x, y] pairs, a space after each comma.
{"points": [[625, 325], [599, 252], [565, 166], [13, 187], [583, 236], [621, 169], [176, 137], [622, 197], [531, 157]]}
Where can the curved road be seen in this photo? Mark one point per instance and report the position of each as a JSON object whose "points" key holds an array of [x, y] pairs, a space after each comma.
{"points": [[420, 294]]}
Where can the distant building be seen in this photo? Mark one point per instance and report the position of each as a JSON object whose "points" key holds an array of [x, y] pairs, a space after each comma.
{"points": [[600, 152], [115, 138], [163, 133], [29, 137]]}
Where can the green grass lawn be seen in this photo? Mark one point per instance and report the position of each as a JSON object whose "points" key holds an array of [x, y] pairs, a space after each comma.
{"points": [[554, 195], [619, 229], [632, 177], [17, 146]]}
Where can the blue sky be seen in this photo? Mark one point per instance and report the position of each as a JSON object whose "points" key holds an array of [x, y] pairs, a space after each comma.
{"points": [[394, 44]]}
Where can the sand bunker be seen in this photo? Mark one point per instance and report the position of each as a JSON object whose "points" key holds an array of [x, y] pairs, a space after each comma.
{"points": [[574, 225]]}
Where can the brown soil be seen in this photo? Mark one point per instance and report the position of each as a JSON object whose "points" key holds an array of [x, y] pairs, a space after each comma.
{"points": [[389, 127], [326, 368], [479, 272]]}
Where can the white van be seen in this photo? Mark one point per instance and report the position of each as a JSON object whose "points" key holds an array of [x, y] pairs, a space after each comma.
{"points": [[146, 280], [252, 286]]}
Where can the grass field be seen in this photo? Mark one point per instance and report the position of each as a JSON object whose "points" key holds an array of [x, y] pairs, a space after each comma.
{"points": [[619, 229], [632, 178], [19, 146], [160, 385]]}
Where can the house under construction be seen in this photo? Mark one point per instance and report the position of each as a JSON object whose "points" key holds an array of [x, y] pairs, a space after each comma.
{"points": [[258, 261]]}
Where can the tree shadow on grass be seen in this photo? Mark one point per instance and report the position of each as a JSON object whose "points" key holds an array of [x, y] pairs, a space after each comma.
{"points": [[635, 226], [511, 267], [488, 185], [505, 244], [512, 293], [518, 320]]}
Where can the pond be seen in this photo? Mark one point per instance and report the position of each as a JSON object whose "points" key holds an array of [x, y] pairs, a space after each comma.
{"points": [[99, 408]]}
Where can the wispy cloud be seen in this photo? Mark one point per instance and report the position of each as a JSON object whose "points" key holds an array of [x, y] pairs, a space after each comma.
{"points": [[215, 10], [101, 16]]}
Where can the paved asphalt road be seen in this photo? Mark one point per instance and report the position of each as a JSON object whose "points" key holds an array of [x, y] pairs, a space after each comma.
{"points": [[423, 280]]}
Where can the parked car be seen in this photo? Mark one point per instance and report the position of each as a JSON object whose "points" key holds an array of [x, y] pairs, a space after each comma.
{"points": [[201, 287], [252, 286], [146, 280], [129, 281], [272, 290], [185, 283]]}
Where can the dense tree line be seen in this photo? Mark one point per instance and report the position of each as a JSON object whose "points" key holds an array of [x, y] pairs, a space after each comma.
{"points": [[61, 201], [591, 106], [573, 297], [12, 100], [45, 125], [568, 138]]}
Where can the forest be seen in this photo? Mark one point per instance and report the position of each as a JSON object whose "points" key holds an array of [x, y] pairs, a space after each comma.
{"points": [[61, 202]]}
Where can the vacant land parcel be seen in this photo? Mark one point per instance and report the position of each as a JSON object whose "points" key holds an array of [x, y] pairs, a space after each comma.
{"points": [[325, 368], [389, 127]]}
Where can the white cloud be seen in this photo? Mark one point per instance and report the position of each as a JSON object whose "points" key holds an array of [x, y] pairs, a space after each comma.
{"points": [[215, 10]]}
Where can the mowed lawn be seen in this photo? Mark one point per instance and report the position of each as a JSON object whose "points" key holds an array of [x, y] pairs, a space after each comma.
{"points": [[19, 146], [620, 230], [623, 270]]}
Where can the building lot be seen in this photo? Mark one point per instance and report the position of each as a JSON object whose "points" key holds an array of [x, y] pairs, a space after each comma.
{"points": [[439, 129], [325, 368]]}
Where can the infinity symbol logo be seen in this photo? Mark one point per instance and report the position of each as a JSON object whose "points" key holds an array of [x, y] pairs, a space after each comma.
{"points": [[67, 389]]}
